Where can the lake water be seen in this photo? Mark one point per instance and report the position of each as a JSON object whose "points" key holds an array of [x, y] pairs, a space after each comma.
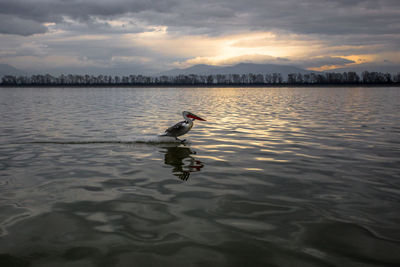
{"points": [[274, 177]]}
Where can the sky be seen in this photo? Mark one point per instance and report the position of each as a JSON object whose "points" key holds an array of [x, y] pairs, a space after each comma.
{"points": [[152, 36]]}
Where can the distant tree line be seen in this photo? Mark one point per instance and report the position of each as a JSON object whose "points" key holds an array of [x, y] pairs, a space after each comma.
{"points": [[207, 80]]}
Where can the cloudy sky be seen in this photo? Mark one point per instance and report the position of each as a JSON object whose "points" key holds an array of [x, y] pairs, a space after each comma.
{"points": [[150, 36]]}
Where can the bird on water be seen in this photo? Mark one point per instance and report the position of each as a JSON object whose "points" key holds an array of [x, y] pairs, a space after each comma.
{"points": [[182, 127]]}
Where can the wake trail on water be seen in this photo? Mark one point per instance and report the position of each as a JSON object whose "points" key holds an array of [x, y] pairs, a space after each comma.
{"points": [[139, 140]]}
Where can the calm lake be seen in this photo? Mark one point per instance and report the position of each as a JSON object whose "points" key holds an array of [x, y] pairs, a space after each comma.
{"points": [[274, 177]]}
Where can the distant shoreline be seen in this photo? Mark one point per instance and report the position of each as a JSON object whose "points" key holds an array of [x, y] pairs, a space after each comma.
{"points": [[330, 79], [197, 85]]}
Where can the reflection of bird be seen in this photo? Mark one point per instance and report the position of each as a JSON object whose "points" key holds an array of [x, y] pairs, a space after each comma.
{"points": [[177, 156], [182, 127]]}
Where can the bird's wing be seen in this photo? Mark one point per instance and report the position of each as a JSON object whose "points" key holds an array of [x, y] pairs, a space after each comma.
{"points": [[175, 128]]}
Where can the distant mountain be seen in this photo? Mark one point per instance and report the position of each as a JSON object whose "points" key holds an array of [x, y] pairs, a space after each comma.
{"points": [[196, 69], [392, 69], [241, 68], [6, 69]]}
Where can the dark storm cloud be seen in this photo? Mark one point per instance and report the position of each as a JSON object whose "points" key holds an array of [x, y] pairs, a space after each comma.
{"points": [[221, 16]]}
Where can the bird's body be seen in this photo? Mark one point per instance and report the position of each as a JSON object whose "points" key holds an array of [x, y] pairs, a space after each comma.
{"points": [[182, 127]]}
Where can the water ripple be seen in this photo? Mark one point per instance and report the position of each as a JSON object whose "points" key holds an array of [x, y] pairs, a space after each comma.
{"points": [[275, 177]]}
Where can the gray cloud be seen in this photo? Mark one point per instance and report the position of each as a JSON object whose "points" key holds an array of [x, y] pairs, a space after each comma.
{"points": [[15, 25], [222, 16], [299, 16], [365, 26], [54, 10]]}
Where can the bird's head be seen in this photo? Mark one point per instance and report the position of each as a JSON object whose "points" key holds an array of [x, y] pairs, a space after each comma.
{"points": [[187, 114]]}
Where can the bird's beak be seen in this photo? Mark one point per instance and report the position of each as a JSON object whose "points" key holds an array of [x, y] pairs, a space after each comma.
{"points": [[195, 117]]}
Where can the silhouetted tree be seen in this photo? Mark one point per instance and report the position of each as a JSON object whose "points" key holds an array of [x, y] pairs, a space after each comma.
{"points": [[194, 79]]}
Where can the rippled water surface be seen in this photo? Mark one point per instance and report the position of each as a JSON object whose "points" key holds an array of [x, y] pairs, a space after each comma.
{"points": [[274, 177]]}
